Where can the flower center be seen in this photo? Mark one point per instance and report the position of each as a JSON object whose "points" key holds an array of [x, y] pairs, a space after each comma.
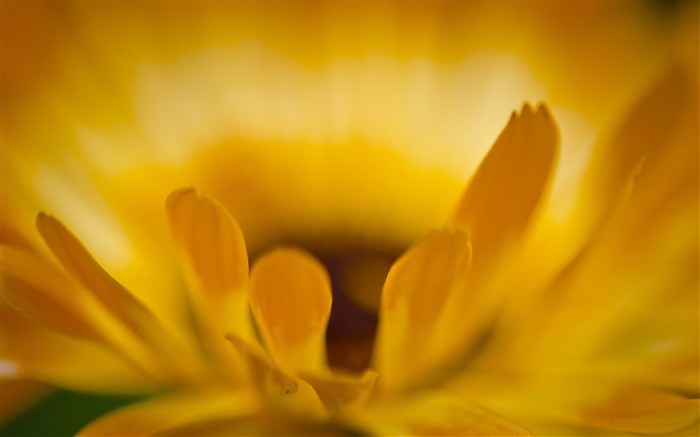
{"points": [[357, 277]]}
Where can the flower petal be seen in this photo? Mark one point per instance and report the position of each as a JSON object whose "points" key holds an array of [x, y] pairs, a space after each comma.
{"points": [[265, 373], [336, 390], [290, 294], [213, 246], [16, 396], [644, 133], [502, 195], [40, 290], [162, 414], [126, 307], [75, 258], [645, 412], [216, 261], [275, 383], [30, 352], [436, 413], [416, 315]]}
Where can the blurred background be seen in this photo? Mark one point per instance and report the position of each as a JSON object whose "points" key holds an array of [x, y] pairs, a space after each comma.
{"points": [[328, 123]]}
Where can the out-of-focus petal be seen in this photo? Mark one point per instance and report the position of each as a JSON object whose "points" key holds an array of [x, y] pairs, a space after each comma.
{"points": [[30, 352], [75, 258], [265, 373], [16, 396], [416, 319], [277, 386], [436, 413], [334, 389], [504, 192], [640, 262], [290, 295], [119, 301], [268, 423], [337, 389], [40, 290], [644, 411], [643, 135], [158, 415]]}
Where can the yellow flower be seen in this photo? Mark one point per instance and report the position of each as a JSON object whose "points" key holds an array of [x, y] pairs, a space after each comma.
{"points": [[539, 305], [465, 327]]}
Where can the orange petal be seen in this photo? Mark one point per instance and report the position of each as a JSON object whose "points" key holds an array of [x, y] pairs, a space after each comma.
{"points": [[212, 243], [645, 412], [290, 295], [159, 415], [415, 333], [502, 195], [17, 396]]}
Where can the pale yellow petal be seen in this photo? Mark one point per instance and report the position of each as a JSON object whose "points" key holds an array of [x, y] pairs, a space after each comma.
{"points": [[416, 325], [502, 196], [290, 294], [154, 417]]}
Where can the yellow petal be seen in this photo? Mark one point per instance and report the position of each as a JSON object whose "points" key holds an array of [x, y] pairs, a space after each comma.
{"points": [[503, 194], [436, 413], [40, 290], [279, 389], [31, 352], [336, 389], [162, 414], [290, 294], [645, 412], [265, 373], [267, 423], [415, 321], [645, 133], [120, 302], [75, 258]]}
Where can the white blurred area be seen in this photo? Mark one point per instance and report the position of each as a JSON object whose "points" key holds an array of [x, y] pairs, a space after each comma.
{"points": [[437, 116]]}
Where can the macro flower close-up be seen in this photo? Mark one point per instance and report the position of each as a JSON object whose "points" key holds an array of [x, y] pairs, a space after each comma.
{"points": [[460, 218]]}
